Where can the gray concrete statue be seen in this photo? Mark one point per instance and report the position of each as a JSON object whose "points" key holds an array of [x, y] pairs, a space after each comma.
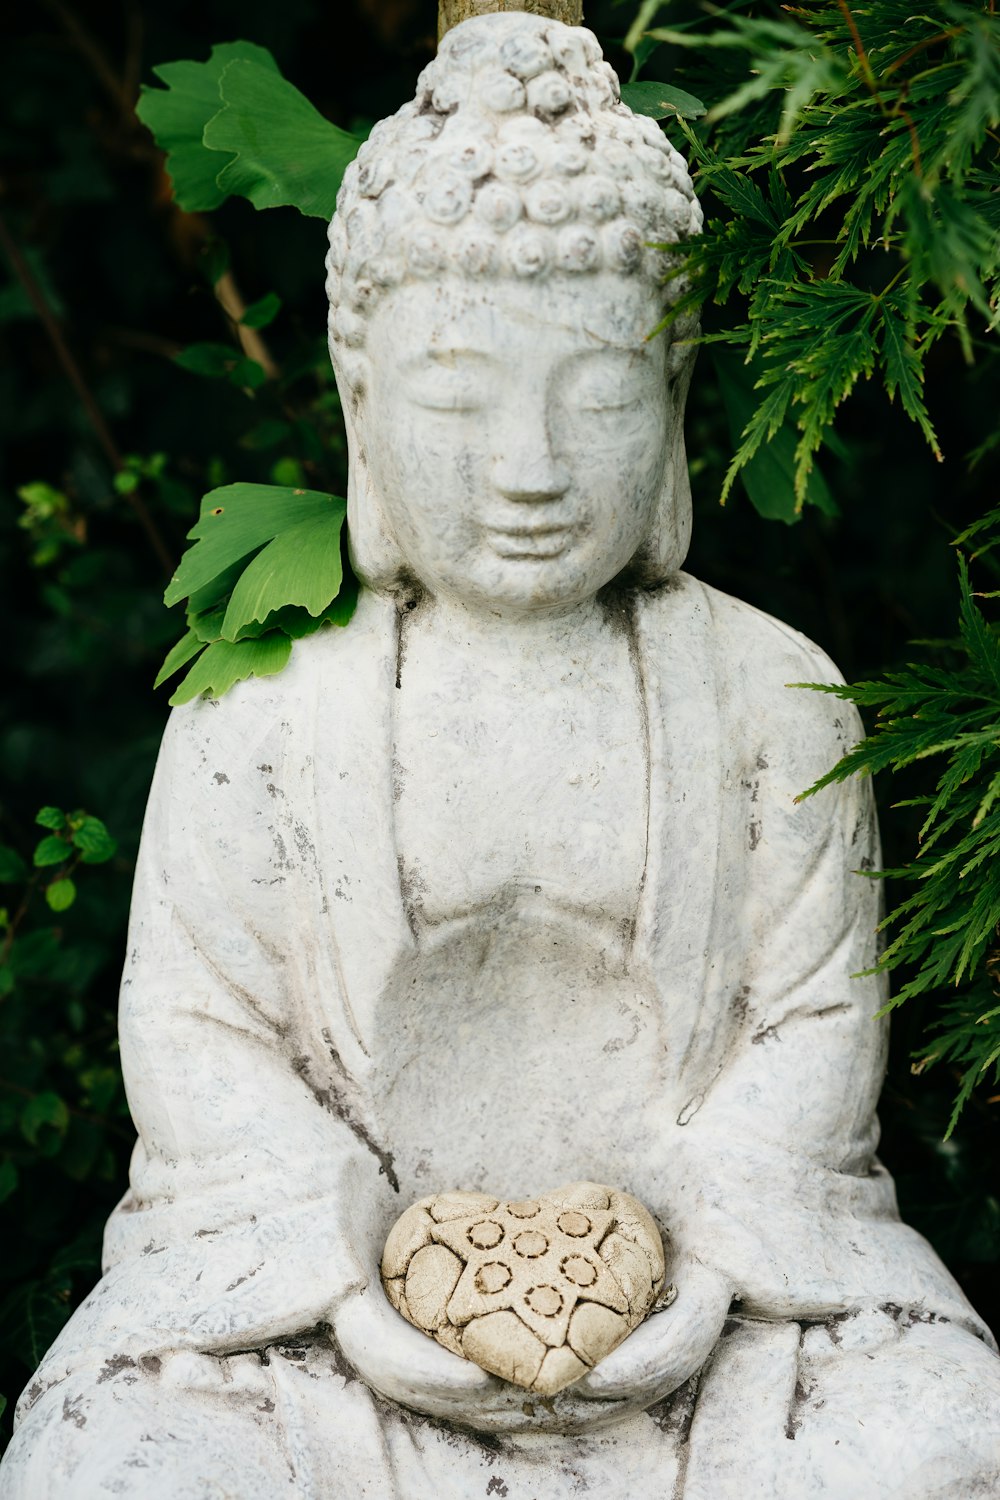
{"points": [[504, 886]]}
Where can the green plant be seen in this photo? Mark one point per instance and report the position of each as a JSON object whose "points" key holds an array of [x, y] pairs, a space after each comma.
{"points": [[947, 930], [234, 125], [63, 1106], [853, 215], [265, 570], [850, 174]]}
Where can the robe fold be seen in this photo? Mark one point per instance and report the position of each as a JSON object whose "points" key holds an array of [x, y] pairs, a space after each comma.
{"points": [[268, 921]]}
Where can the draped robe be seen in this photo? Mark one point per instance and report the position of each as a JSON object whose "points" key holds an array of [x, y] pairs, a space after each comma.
{"points": [[268, 922]]}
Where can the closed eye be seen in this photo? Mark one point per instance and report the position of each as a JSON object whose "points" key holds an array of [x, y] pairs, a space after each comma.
{"points": [[449, 380], [608, 400], [608, 381], [449, 394]]}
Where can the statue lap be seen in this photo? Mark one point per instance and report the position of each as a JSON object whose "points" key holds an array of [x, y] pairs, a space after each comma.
{"points": [[295, 1420]]}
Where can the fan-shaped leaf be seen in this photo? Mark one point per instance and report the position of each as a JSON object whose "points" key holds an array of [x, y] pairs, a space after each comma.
{"points": [[225, 663], [285, 153], [235, 521], [301, 566], [177, 116]]}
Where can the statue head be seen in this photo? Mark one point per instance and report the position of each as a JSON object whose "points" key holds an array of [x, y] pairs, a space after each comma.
{"points": [[499, 255]]}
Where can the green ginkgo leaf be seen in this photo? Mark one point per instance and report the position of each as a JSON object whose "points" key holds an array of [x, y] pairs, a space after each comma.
{"points": [[224, 663], [178, 656], [284, 152], [177, 116], [238, 519], [302, 566]]}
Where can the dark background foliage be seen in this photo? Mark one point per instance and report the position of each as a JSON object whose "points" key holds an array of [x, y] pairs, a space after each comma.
{"points": [[90, 396]]}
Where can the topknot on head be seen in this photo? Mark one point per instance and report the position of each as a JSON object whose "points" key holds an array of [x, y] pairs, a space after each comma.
{"points": [[515, 157]]}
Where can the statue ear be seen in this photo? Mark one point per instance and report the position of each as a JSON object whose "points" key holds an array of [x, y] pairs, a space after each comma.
{"points": [[375, 554], [670, 534]]}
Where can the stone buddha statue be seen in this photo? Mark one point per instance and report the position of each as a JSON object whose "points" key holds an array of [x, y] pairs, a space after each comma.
{"points": [[502, 886]]}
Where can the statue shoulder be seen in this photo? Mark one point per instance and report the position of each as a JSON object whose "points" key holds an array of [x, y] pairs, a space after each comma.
{"points": [[262, 720], [758, 662]]}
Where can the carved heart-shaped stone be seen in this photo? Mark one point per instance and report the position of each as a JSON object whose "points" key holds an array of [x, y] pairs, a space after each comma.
{"points": [[535, 1291]]}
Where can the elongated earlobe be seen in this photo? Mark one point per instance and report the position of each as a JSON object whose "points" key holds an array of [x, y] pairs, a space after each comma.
{"points": [[666, 547], [374, 552]]}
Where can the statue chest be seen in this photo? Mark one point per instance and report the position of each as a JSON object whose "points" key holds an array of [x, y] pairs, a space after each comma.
{"points": [[514, 783]]}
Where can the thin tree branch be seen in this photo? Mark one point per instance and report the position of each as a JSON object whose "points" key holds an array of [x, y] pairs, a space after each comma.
{"points": [[859, 49], [102, 432], [231, 301], [124, 92], [95, 55]]}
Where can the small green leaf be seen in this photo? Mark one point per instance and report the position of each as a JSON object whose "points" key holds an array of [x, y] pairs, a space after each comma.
{"points": [[236, 520], [903, 370], [288, 471], [661, 102], [12, 866], [266, 434], [296, 622], [51, 817], [44, 1109], [207, 626], [214, 360], [262, 312], [213, 595], [178, 656], [301, 566], [247, 372], [6, 980], [125, 481], [60, 895], [223, 664], [8, 1185], [214, 261], [15, 304], [769, 476], [177, 116], [285, 152], [93, 841], [34, 953], [51, 851]]}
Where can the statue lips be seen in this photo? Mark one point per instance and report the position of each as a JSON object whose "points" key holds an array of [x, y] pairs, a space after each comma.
{"points": [[530, 543]]}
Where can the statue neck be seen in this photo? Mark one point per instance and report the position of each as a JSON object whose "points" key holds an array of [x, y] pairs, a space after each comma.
{"points": [[544, 633]]}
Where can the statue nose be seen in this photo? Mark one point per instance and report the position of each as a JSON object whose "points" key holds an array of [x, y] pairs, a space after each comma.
{"points": [[530, 476]]}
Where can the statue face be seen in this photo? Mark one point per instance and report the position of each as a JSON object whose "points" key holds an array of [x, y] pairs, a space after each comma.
{"points": [[516, 433]]}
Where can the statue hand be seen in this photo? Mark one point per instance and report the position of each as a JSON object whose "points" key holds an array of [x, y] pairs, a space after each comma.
{"points": [[398, 1361], [669, 1347]]}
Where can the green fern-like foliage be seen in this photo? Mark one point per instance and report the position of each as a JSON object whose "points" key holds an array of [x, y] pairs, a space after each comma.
{"points": [[945, 934], [854, 215]]}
